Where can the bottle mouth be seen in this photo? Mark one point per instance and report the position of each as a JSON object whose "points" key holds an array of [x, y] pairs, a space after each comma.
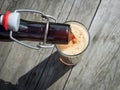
{"points": [[79, 47]]}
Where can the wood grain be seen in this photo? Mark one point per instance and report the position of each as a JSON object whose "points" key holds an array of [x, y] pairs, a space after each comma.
{"points": [[5, 47], [19, 55], [21, 59], [24, 60], [1, 3], [99, 67], [40, 70], [59, 84], [34, 83]]}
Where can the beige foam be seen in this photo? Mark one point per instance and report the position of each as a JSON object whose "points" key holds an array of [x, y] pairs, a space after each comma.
{"points": [[82, 37]]}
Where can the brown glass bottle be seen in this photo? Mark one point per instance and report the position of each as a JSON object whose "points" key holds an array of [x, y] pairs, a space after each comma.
{"points": [[35, 31]]}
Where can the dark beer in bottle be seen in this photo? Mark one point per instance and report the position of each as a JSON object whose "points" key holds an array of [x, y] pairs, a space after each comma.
{"points": [[28, 30]]}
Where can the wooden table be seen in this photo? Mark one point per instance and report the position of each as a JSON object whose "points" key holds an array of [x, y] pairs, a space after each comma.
{"points": [[99, 66]]}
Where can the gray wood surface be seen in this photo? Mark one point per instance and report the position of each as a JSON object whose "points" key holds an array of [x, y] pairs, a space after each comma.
{"points": [[40, 70], [20, 54], [76, 14], [4, 47], [99, 67]]}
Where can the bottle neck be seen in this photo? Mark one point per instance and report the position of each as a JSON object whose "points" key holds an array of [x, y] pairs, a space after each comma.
{"points": [[35, 31]]}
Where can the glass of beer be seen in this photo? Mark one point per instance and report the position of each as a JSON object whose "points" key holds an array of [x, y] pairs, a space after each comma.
{"points": [[69, 54]]}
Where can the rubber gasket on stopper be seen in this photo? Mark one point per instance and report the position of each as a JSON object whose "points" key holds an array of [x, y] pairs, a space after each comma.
{"points": [[5, 20]]}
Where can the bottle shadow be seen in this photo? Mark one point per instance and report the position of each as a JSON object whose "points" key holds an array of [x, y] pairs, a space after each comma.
{"points": [[41, 76], [4, 85], [44, 74]]}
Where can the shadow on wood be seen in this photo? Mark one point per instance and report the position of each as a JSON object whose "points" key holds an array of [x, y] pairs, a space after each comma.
{"points": [[6, 85], [43, 75]]}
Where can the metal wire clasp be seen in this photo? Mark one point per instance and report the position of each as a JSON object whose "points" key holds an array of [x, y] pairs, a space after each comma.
{"points": [[41, 44]]}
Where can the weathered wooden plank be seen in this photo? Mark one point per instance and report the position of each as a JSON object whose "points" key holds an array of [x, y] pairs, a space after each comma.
{"points": [[51, 75], [30, 79], [8, 5], [5, 46], [4, 51], [1, 3], [83, 11], [99, 67], [53, 71], [35, 80], [21, 59], [20, 56]]}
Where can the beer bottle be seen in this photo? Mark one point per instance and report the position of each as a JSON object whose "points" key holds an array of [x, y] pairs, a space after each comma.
{"points": [[28, 30]]}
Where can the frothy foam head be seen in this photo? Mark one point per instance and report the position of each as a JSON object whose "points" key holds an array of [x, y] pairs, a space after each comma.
{"points": [[82, 40]]}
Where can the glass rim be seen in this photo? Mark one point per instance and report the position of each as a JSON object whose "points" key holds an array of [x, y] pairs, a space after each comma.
{"points": [[85, 47]]}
